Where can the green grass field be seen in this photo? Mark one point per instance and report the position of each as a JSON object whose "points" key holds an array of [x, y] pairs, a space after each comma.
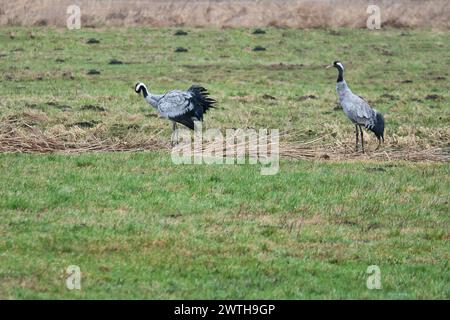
{"points": [[139, 226]]}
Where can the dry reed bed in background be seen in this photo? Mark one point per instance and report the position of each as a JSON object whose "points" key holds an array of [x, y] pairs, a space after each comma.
{"points": [[18, 136], [231, 13]]}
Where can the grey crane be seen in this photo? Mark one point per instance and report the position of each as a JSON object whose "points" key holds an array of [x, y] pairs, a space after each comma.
{"points": [[358, 110], [185, 107]]}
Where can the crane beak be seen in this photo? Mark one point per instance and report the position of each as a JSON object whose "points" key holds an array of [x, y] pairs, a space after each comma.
{"points": [[328, 67]]}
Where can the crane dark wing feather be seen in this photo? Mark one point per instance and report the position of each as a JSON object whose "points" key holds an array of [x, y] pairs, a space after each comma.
{"points": [[201, 100], [185, 119]]}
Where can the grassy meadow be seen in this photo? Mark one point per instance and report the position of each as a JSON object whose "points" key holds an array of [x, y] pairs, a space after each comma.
{"points": [[140, 227]]}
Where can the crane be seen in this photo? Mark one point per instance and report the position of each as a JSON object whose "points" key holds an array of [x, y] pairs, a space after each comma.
{"points": [[357, 109], [184, 107]]}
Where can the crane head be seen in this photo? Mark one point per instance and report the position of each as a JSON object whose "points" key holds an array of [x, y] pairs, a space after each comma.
{"points": [[337, 64], [140, 87]]}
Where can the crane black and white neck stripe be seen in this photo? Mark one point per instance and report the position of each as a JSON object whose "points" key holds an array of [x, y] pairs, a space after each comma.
{"points": [[358, 110], [183, 107]]}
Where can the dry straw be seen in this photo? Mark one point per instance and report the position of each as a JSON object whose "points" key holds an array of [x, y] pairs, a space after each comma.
{"points": [[16, 135]]}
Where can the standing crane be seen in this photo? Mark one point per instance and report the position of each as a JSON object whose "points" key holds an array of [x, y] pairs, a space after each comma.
{"points": [[183, 107], [357, 109]]}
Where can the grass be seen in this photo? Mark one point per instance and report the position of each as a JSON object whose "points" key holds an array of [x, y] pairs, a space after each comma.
{"points": [[139, 226], [53, 95]]}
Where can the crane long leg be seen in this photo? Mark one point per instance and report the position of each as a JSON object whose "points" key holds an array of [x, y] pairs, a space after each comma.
{"points": [[197, 124], [174, 133], [362, 139], [357, 137], [379, 144]]}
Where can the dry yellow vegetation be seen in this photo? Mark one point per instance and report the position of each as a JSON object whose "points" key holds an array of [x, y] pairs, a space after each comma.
{"points": [[200, 13]]}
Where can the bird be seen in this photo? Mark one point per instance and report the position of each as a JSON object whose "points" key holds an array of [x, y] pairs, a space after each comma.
{"points": [[357, 109], [184, 107]]}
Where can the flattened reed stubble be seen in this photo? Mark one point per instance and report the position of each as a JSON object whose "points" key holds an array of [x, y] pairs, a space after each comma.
{"points": [[17, 135]]}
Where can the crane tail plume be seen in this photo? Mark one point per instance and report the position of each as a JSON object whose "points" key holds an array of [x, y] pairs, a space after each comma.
{"points": [[378, 128], [201, 98]]}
